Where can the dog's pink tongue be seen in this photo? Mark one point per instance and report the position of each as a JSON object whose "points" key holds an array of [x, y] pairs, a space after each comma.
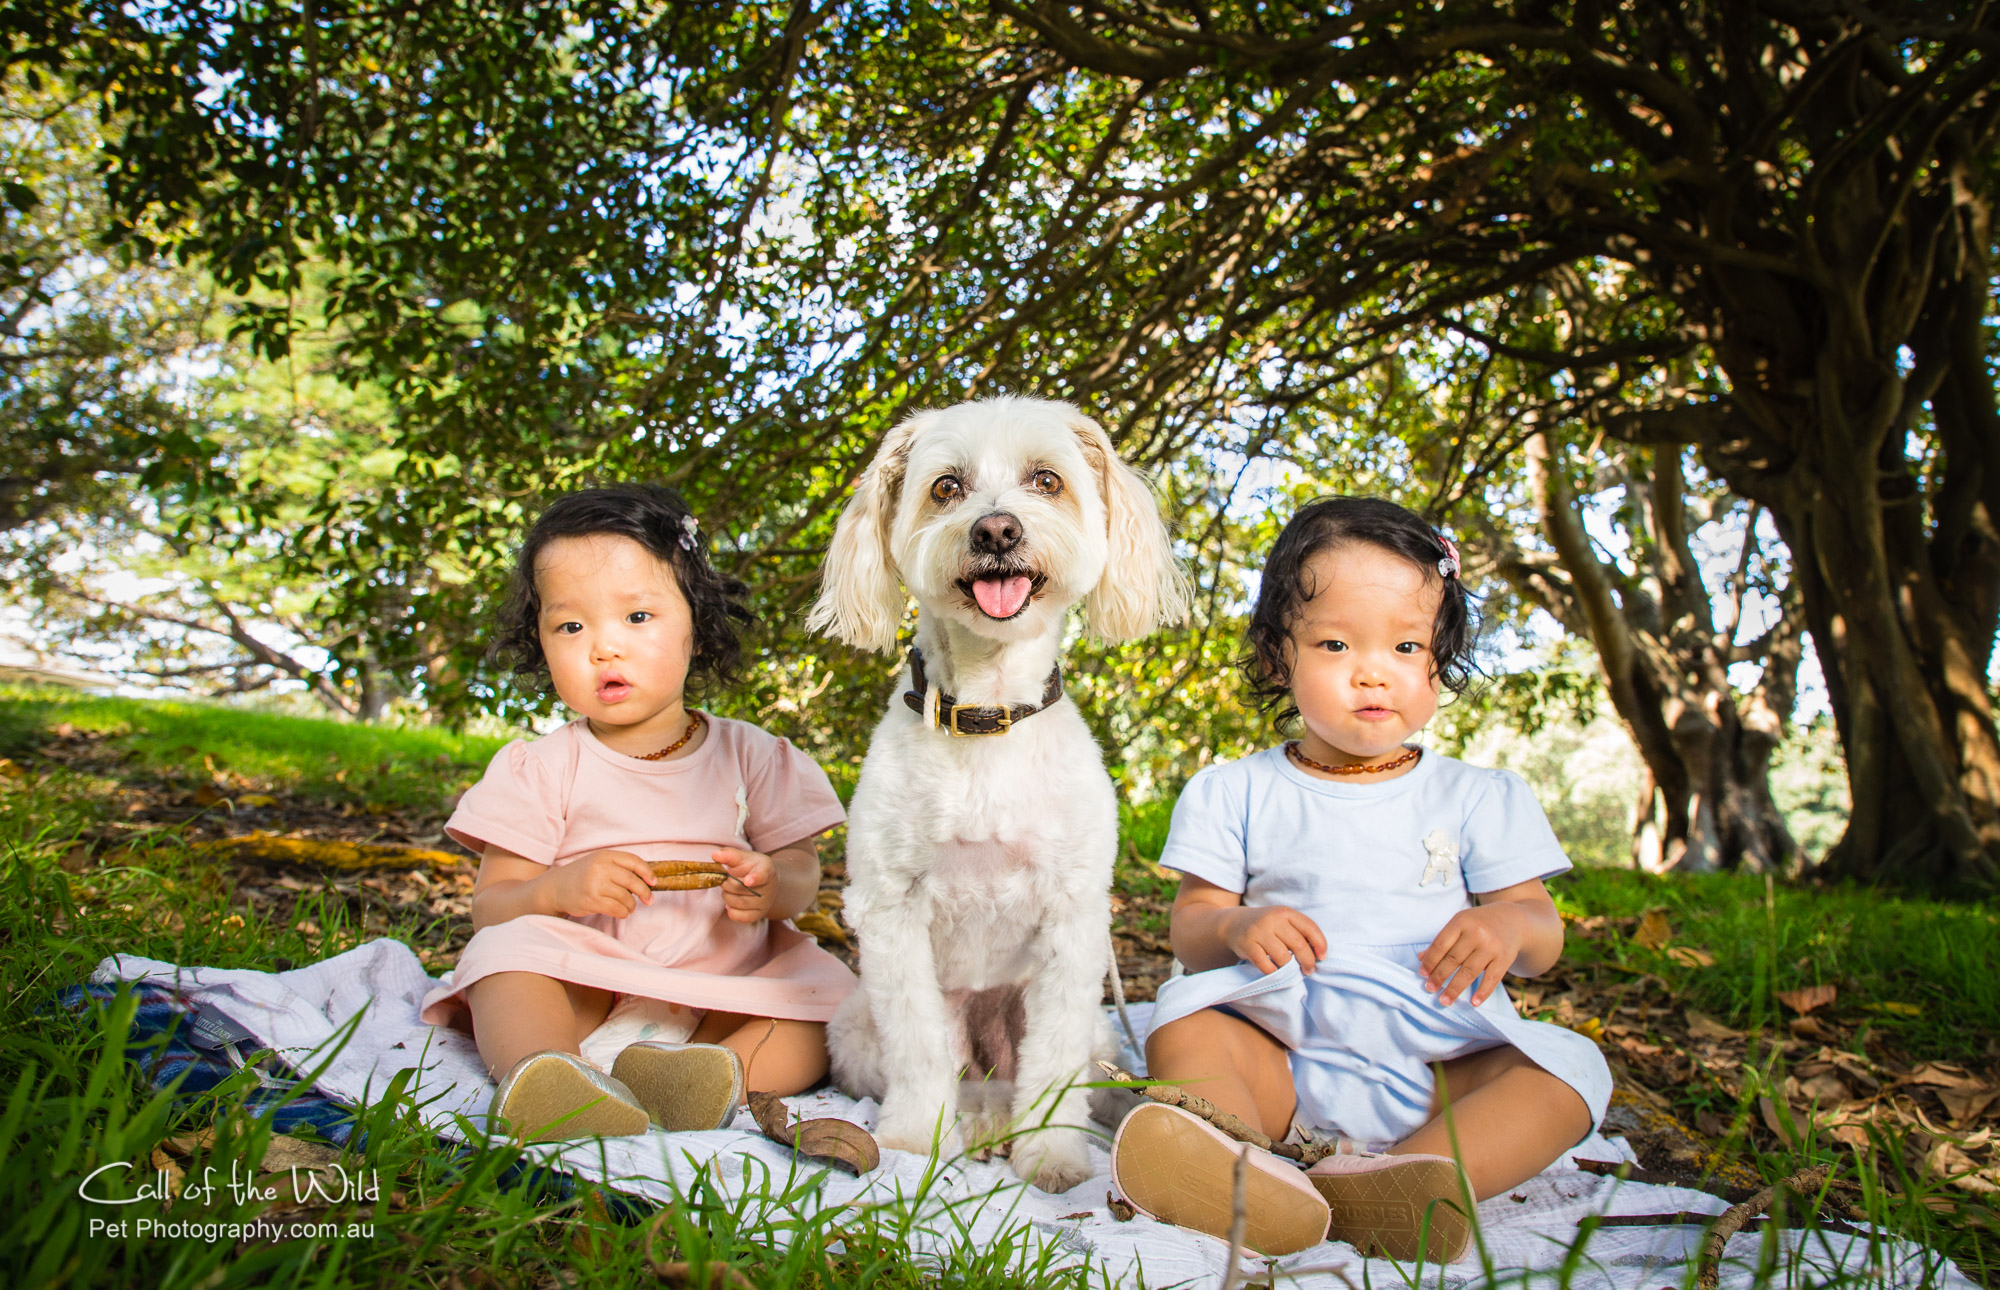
{"points": [[1000, 597]]}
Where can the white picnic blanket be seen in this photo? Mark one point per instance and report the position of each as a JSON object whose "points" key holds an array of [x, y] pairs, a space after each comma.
{"points": [[1526, 1235]]}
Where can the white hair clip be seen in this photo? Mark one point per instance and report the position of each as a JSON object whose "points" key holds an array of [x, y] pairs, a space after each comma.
{"points": [[1448, 566], [689, 528]]}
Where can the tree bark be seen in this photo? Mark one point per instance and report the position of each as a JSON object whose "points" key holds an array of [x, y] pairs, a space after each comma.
{"points": [[1900, 574], [1705, 802]]}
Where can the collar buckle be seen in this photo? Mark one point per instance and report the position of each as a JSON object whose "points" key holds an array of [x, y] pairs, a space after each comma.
{"points": [[1002, 718]]}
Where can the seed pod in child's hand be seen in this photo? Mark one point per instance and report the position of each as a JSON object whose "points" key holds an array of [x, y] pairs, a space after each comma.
{"points": [[835, 1142], [687, 875]]}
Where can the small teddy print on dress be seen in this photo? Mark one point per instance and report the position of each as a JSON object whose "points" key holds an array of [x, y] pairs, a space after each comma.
{"points": [[1443, 865]]}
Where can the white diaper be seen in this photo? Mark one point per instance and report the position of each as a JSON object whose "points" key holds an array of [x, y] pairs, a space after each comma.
{"points": [[633, 1018]]}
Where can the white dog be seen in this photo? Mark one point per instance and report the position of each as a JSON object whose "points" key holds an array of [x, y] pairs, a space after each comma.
{"points": [[982, 834]]}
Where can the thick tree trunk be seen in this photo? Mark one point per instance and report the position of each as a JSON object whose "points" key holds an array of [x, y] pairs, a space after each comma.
{"points": [[1897, 559], [1706, 801], [1918, 739]]}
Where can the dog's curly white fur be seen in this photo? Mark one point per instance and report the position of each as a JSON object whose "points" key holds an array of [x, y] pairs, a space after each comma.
{"points": [[979, 868]]}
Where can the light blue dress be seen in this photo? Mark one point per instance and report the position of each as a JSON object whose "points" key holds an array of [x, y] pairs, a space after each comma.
{"points": [[1380, 868]]}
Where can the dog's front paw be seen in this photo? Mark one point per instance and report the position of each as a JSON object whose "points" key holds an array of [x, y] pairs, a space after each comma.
{"points": [[913, 1124], [1054, 1160]]}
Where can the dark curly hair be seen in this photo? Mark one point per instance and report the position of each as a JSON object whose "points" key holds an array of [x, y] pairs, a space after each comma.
{"points": [[1282, 592], [656, 517]]}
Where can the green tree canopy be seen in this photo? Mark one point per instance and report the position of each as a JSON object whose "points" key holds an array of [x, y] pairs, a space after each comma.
{"points": [[730, 243]]}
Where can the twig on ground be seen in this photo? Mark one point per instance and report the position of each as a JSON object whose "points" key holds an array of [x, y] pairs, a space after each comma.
{"points": [[1626, 1171], [1196, 1105], [1118, 999], [1239, 1216], [1803, 1183], [1688, 1218]]}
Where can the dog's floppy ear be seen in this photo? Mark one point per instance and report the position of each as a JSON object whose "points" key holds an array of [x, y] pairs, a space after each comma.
{"points": [[1142, 586], [861, 598]]}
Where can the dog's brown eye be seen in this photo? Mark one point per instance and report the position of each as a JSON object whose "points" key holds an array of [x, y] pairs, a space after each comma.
{"points": [[1047, 481], [947, 489]]}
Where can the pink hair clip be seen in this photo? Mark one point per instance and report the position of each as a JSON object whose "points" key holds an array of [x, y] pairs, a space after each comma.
{"points": [[1448, 566], [689, 527]]}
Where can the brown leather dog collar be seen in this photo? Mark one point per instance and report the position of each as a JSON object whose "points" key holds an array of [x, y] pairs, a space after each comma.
{"points": [[960, 719]]}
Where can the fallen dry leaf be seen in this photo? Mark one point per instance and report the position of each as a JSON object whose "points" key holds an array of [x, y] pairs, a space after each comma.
{"points": [[1807, 998], [820, 927], [257, 799], [167, 1165], [295, 1153], [1946, 1161], [1896, 1009], [1854, 1066], [1965, 1105], [836, 1142], [1943, 1075], [1826, 1089], [1688, 956], [315, 853], [186, 1144], [1779, 1123], [1703, 1026], [1653, 931]]}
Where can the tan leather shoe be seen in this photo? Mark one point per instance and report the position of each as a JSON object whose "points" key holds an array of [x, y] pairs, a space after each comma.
{"points": [[683, 1086], [1180, 1169], [1403, 1206], [551, 1096]]}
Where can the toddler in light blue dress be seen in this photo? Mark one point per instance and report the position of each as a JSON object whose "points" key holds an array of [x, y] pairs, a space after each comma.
{"points": [[1348, 906]]}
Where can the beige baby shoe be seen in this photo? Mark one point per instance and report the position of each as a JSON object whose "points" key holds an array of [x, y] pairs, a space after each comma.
{"points": [[1402, 1206], [549, 1096], [683, 1086], [1175, 1167]]}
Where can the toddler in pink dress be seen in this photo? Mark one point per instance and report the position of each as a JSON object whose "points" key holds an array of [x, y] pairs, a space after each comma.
{"points": [[602, 1004]]}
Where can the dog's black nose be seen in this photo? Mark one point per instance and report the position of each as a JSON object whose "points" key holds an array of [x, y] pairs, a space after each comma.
{"points": [[996, 534]]}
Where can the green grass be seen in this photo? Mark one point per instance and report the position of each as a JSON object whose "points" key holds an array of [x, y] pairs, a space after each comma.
{"points": [[472, 1219], [74, 1103], [408, 766], [77, 883], [1885, 953]]}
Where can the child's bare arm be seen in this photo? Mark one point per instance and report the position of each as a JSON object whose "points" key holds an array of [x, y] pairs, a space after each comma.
{"points": [[511, 886], [1213, 928], [1515, 929]]}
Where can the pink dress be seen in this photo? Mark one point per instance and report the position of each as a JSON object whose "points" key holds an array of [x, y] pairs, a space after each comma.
{"points": [[563, 796]]}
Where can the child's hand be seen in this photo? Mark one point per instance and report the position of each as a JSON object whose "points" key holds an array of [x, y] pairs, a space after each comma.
{"points": [[612, 883], [748, 893], [1268, 937], [1479, 942]]}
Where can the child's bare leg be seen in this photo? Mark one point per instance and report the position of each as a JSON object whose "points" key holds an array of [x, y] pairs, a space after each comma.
{"points": [[1231, 1063], [779, 1055], [517, 1013], [1512, 1120]]}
